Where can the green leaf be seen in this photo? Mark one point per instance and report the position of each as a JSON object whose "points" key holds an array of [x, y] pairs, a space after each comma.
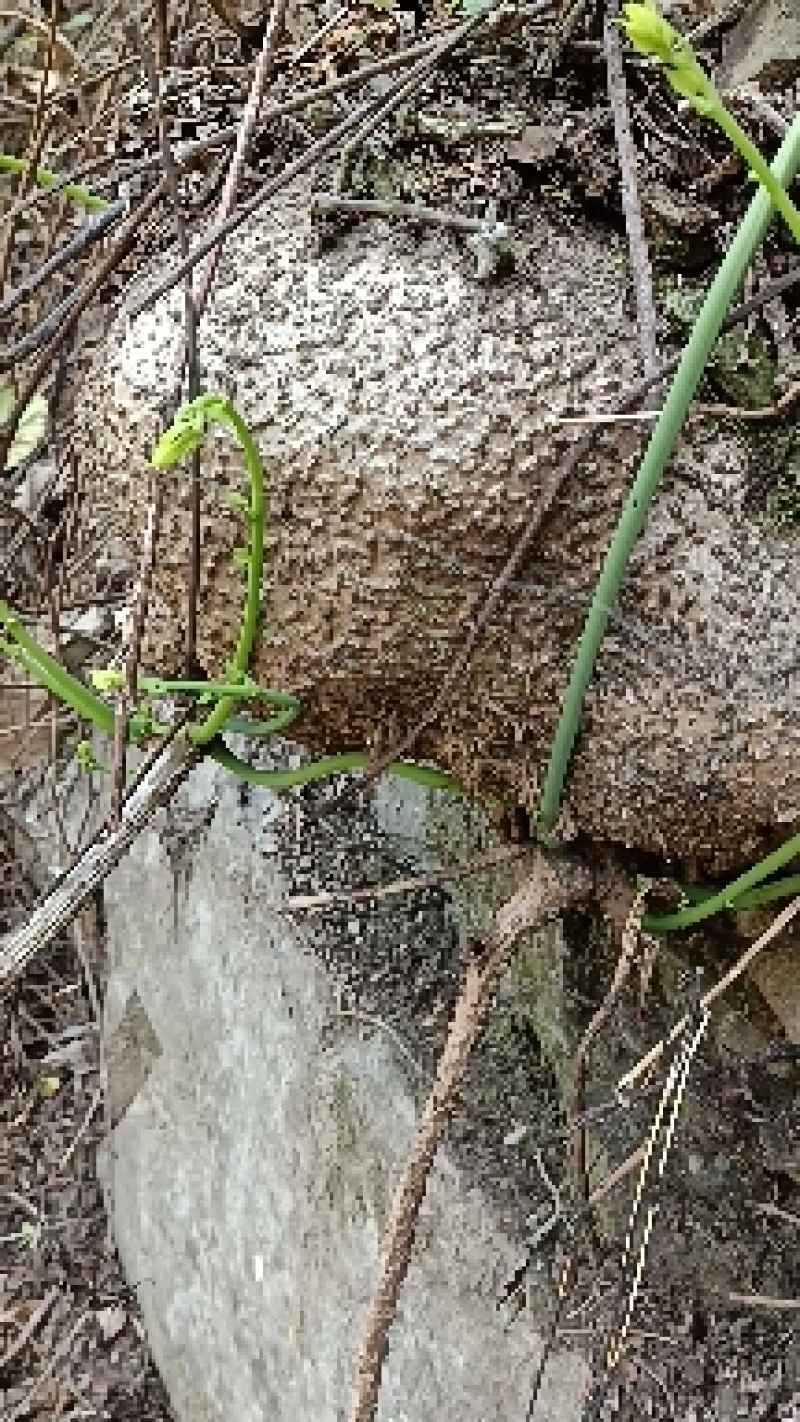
{"points": [[30, 430], [81, 21], [241, 557], [140, 726], [106, 678]]}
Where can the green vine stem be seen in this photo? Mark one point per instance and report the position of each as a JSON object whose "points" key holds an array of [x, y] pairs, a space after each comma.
{"points": [[662, 442], [23, 649], [651, 34], [754, 898], [45, 179], [328, 765], [185, 435], [730, 897]]}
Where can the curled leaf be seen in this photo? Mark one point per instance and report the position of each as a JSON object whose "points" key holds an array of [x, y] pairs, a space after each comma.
{"points": [[183, 437], [31, 429]]}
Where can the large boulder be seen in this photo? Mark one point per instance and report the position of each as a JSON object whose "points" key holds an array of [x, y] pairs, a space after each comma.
{"points": [[409, 418]]}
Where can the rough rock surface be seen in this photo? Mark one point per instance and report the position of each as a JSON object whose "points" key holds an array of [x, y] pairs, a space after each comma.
{"points": [[264, 1110], [764, 46], [409, 418]]}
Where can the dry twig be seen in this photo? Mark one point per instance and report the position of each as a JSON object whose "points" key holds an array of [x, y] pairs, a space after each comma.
{"points": [[111, 261], [641, 269], [629, 952], [204, 275], [311, 903], [127, 694], [57, 909], [550, 886], [741, 965]]}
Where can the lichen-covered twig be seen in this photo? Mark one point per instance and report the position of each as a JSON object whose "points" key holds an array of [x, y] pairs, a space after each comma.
{"points": [[641, 269], [549, 888]]}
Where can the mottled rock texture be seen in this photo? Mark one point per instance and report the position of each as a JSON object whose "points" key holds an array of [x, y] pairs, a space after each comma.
{"points": [[409, 418], [764, 46]]}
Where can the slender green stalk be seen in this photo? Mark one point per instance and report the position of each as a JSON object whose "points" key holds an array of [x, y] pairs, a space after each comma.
{"points": [[767, 894], [184, 435], [329, 765], [760, 168], [45, 179], [651, 34], [32, 657], [728, 898], [657, 455]]}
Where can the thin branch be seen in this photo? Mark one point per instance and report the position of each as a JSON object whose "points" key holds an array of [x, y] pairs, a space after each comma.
{"points": [[550, 886], [765, 1301], [330, 141], [311, 903], [36, 144], [627, 957], [641, 269], [25, 1334], [190, 317], [89, 291], [20, 1408], [58, 908], [408, 211], [74, 248], [127, 694], [204, 275]]}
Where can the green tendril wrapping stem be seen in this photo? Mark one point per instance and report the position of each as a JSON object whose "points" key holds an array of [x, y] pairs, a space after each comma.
{"points": [[183, 437]]}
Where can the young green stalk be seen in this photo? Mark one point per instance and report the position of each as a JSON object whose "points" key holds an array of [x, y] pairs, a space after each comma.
{"points": [[652, 35], [185, 435], [662, 442], [20, 647]]}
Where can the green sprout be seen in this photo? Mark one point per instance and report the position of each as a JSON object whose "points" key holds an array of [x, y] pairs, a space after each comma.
{"points": [[85, 758], [652, 35]]}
